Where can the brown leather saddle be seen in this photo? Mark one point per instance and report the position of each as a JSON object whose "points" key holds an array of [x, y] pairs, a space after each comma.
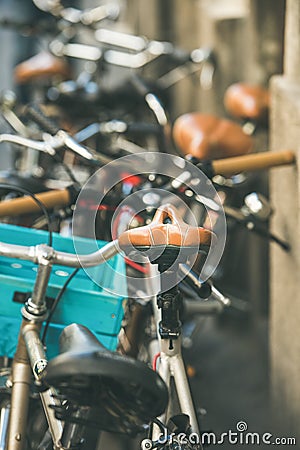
{"points": [[159, 236], [208, 137], [246, 101], [44, 65]]}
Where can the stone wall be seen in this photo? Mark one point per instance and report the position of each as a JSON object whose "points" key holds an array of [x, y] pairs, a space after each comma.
{"points": [[285, 280]]}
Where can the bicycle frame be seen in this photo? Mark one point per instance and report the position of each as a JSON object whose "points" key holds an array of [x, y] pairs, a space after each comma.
{"points": [[30, 355], [171, 365]]}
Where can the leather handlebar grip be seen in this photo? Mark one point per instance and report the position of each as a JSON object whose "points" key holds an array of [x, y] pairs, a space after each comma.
{"points": [[253, 162], [26, 205]]}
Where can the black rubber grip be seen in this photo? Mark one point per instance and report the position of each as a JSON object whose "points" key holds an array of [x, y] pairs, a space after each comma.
{"points": [[205, 166], [45, 123]]}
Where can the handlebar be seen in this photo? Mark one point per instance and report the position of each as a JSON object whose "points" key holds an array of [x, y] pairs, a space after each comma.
{"points": [[252, 162], [53, 143], [118, 127], [41, 146], [26, 205], [114, 126], [136, 52], [88, 17], [179, 234], [139, 46], [41, 252], [225, 167], [57, 138]]}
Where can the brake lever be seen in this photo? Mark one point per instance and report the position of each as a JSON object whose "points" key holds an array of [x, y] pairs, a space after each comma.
{"points": [[205, 289], [217, 295], [64, 139]]}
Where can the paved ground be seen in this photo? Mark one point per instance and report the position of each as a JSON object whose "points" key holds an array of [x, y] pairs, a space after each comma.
{"points": [[230, 356], [232, 377]]}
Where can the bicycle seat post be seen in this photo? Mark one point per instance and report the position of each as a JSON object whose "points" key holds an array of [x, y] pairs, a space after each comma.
{"points": [[169, 299]]}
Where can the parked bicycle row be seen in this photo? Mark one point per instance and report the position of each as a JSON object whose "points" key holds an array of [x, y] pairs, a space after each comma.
{"points": [[118, 223]]}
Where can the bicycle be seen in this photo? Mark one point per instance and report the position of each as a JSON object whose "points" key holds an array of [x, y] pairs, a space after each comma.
{"points": [[30, 359], [66, 371], [166, 245]]}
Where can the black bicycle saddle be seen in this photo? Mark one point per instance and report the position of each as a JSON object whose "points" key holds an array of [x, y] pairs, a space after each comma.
{"points": [[116, 393]]}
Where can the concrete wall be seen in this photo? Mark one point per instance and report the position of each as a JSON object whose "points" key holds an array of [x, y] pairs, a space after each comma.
{"points": [[245, 34], [285, 280]]}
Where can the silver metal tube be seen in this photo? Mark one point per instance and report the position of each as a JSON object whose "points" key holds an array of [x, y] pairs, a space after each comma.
{"points": [[35, 349], [91, 260], [65, 259], [217, 295], [38, 361], [157, 108], [55, 425], [123, 40], [164, 372], [19, 140], [4, 421], [50, 144], [131, 61], [37, 301], [17, 251], [19, 406], [14, 121], [188, 272], [99, 13], [87, 132], [173, 363], [76, 148], [72, 433], [183, 390]]}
